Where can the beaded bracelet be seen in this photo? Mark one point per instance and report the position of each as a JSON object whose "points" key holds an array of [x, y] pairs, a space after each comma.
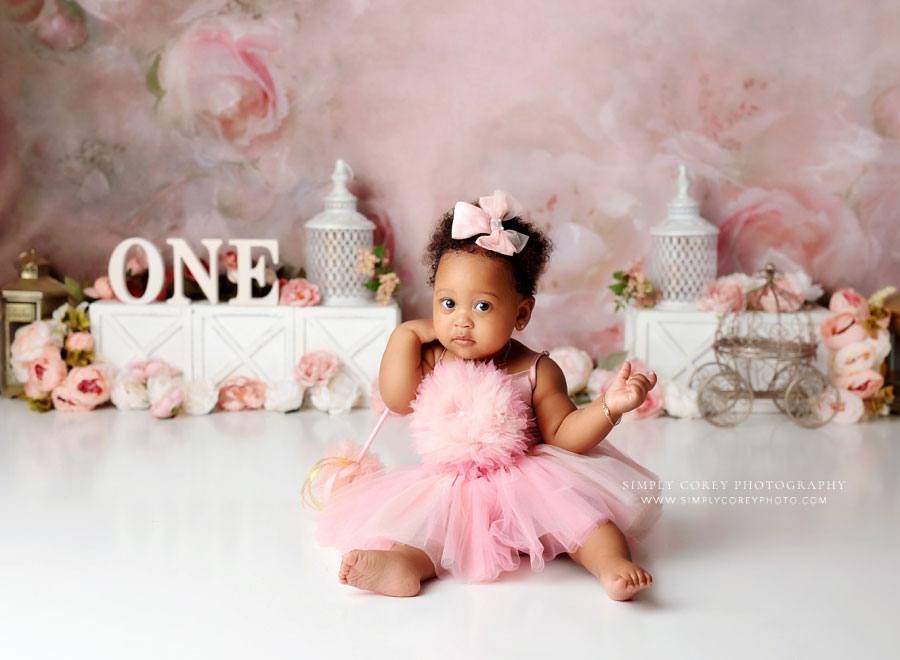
{"points": [[606, 411]]}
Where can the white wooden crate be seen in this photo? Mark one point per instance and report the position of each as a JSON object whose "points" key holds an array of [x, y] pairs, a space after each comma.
{"points": [[125, 333], [217, 341]]}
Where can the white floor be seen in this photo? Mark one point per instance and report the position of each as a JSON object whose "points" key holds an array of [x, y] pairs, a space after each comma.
{"points": [[126, 537]]}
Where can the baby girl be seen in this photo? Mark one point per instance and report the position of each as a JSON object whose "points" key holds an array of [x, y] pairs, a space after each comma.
{"points": [[548, 485]]}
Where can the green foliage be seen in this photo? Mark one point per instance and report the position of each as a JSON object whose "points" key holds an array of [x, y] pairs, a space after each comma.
{"points": [[79, 358], [41, 405], [612, 361], [76, 295], [152, 80], [72, 10]]}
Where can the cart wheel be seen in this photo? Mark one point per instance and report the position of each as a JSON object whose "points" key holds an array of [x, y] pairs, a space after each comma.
{"points": [[726, 398], [702, 374], [802, 395], [780, 381]]}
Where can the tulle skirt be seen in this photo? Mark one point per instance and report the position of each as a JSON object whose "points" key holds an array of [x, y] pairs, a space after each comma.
{"points": [[547, 502]]}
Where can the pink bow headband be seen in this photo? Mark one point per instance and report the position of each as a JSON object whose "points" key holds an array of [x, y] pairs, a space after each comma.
{"points": [[487, 218]]}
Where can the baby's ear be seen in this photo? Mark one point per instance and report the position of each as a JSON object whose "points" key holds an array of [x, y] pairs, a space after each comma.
{"points": [[526, 307]]}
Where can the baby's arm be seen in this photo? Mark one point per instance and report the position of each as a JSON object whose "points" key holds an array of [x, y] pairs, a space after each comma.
{"points": [[579, 430], [401, 365]]}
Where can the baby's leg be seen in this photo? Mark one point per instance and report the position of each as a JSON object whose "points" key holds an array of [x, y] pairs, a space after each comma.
{"points": [[395, 572], [607, 556]]}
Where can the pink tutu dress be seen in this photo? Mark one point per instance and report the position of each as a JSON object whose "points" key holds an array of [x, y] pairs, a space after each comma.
{"points": [[487, 489]]}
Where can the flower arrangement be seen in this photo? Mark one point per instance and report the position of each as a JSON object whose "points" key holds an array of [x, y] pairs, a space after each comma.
{"points": [[376, 264], [55, 360], [633, 284], [857, 336], [735, 293]]}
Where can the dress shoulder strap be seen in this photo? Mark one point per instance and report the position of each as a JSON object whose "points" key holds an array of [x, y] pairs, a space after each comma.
{"points": [[532, 375], [440, 359]]}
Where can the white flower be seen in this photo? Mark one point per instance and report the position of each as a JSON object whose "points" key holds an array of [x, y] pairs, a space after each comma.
{"points": [[576, 366], [200, 396], [805, 285], [845, 408], [337, 395], [158, 386], [680, 400], [284, 396], [129, 393], [56, 322], [28, 342]]}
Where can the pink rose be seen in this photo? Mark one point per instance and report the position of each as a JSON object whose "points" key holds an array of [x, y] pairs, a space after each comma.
{"points": [[230, 260], [864, 383], [152, 368], [220, 86], [721, 296], [240, 393], [848, 409], [61, 26], [137, 263], [28, 343], [299, 293], [599, 382], [848, 300], [787, 299], [80, 341], [865, 354], [841, 330], [168, 405], [102, 289], [45, 373], [804, 228], [21, 11], [84, 388], [316, 367]]}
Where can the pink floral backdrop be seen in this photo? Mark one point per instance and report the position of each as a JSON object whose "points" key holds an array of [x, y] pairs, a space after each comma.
{"points": [[224, 118]]}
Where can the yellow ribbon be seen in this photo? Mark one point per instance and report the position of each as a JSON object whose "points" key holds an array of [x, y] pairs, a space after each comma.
{"points": [[307, 495]]}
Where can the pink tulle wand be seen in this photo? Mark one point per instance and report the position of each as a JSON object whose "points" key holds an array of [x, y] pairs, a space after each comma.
{"points": [[347, 468]]}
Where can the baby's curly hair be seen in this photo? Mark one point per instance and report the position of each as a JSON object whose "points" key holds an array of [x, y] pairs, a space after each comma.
{"points": [[526, 266]]}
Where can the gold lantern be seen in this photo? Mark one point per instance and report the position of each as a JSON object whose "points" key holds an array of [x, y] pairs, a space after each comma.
{"points": [[31, 297]]}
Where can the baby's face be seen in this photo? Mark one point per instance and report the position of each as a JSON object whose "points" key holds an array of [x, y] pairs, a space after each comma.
{"points": [[475, 305]]}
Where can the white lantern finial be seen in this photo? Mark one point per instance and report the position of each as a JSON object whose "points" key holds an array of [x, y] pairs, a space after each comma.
{"points": [[683, 182], [684, 250]]}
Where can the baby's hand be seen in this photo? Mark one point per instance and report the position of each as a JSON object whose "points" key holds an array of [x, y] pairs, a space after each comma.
{"points": [[423, 328], [627, 391]]}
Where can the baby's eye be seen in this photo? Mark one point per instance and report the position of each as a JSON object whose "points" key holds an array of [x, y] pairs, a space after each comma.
{"points": [[486, 307], [446, 303]]}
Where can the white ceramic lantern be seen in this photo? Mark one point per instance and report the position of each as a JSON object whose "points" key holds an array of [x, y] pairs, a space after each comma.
{"points": [[333, 239], [685, 251]]}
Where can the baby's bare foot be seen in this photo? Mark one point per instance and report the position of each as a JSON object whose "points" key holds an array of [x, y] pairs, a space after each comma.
{"points": [[622, 579], [385, 572]]}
